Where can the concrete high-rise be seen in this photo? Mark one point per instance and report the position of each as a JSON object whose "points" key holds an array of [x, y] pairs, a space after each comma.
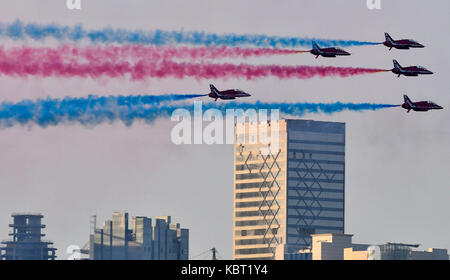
{"points": [[142, 241], [27, 242], [283, 197]]}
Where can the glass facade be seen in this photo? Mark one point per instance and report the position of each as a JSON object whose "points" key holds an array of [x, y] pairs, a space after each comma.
{"points": [[315, 180], [282, 197]]}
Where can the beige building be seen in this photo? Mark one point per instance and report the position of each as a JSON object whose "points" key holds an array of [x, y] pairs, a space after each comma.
{"points": [[284, 196], [352, 255], [330, 246], [340, 247]]}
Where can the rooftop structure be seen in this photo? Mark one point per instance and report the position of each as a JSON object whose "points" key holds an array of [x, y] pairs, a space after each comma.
{"points": [[27, 242]]}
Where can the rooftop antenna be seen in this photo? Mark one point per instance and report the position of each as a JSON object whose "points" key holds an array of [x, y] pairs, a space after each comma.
{"points": [[214, 251], [93, 221]]}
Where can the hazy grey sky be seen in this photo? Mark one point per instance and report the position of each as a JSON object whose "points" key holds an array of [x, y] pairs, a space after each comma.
{"points": [[397, 164]]}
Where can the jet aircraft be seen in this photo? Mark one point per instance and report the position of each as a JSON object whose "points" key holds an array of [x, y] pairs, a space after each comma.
{"points": [[326, 52], [421, 106], [404, 44], [410, 70], [226, 94]]}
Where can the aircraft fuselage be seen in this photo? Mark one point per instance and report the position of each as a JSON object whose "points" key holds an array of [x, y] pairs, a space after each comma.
{"points": [[228, 94], [421, 106], [411, 71], [328, 52], [402, 44]]}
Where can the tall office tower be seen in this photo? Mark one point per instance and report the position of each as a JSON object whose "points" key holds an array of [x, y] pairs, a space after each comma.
{"points": [[27, 243], [142, 241], [282, 197]]}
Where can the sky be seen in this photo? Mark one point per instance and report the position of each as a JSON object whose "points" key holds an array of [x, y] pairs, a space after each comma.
{"points": [[397, 164]]}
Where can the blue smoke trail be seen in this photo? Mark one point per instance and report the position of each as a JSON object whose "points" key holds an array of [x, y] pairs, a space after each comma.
{"points": [[94, 110], [19, 30]]}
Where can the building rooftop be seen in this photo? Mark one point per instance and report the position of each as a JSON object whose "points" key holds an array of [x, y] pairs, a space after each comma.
{"points": [[31, 214], [328, 234], [403, 244]]}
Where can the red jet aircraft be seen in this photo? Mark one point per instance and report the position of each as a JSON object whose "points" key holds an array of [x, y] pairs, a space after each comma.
{"points": [[421, 106], [410, 70], [326, 52], [403, 44], [226, 94]]}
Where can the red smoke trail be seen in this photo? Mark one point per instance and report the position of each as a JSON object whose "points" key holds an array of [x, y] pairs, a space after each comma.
{"points": [[49, 62], [101, 54], [144, 69]]}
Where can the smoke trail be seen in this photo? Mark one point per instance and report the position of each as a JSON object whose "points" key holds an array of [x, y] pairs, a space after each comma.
{"points": [[52, 66], [99, 54], [94, 110], [19, 30]]}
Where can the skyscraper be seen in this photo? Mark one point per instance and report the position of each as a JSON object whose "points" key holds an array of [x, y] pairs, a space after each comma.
{"points": [[27, 242], [283, 197]]}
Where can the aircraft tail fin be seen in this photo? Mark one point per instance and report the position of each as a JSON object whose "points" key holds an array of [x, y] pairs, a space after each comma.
{"points": [[315, 46], [388, 37], [214, 89], [396, 64], [408, 101]]}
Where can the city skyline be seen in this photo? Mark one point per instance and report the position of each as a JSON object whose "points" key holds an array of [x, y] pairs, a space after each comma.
{"points": [[138, 239]]}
